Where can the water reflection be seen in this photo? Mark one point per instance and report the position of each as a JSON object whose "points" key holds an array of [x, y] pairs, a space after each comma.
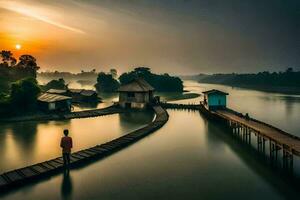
{"points": [[190, 160], [280, 110], [26, 143], [66, 185]]}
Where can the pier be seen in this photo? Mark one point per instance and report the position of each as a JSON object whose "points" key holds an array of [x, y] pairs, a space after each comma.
{"points": [[48, 168], [278, 140], [270, 140]]}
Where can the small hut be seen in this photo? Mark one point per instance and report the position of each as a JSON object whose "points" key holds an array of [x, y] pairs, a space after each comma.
{"points": [[54, 102], [81, 95], [136, 94], [215, 99]]}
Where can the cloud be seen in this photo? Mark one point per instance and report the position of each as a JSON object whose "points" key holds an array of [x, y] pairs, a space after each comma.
{"points": [[35, 13]]}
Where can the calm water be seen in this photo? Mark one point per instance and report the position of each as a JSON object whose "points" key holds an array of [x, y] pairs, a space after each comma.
{"points": [[26, 143], [195, 160], [280, 110], [189, 158]]}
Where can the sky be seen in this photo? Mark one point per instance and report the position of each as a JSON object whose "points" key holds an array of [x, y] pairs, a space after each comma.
{"points": [[172, 36]]}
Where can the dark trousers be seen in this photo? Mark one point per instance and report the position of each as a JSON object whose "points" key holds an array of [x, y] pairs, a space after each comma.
{"points": [[66, 158]]}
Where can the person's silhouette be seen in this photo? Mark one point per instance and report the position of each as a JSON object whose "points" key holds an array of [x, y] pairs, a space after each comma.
{"points": [[66, 144]]}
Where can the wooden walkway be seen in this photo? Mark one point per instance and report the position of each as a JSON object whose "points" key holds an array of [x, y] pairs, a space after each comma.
{"points": [[79, 114], [50, 167], [281, 138]]}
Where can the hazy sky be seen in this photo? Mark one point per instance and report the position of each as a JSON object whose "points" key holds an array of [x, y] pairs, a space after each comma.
{"points": [[174, 36]]}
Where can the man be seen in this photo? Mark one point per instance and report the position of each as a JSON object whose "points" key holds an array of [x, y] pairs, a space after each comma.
{"points": [[66, 144]]}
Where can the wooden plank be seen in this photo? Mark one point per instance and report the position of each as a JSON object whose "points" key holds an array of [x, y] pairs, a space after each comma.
{"points": [[74, 159], [13, 176], [59, 160], [93, 153], [46, 165], [84, 154], [3, 181], [38, 168], [54, 164], [27, 172], [76, 155], [100, 149]]}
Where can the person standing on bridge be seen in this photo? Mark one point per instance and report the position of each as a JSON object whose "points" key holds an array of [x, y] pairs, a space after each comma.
{"points": [[66, 144]]}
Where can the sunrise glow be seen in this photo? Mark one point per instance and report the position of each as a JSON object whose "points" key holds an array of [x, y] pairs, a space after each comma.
{"points": [[18, 46]]}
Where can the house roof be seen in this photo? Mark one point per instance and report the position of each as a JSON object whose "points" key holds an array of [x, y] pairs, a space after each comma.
{"points": [[56, 91], [137, 85], [214, 91], [88, 92], [49, 98], [75, 90]]}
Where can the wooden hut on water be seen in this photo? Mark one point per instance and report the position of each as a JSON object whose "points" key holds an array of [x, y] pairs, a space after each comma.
{"points": [[54, 102], [215, 99], [82, 95], [136, 94]]}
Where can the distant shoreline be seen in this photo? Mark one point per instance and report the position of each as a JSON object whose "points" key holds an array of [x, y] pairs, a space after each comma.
{"points": [[275, 89]]}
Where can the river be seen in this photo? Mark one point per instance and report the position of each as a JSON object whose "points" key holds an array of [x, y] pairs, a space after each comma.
{"points": [[189, 158]]}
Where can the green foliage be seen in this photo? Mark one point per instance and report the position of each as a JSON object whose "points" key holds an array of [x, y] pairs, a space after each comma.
{"points": [[11, 71], [24, 94], [56, 84], [4, 104], [106, 83], [161, 83]]}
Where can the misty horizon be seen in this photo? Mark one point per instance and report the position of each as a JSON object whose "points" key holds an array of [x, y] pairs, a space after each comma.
{"points": [[177, 37]]}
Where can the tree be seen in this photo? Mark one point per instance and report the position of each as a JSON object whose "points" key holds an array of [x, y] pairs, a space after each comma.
{"points": [[24, 94], [7, 58], [59, 84], [114, 73], [161, 83], [106, 83]]}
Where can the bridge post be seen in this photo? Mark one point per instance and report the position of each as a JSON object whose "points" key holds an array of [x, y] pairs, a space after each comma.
{"points": [[249, 135], [264, 146], [287, 160], [271, 151]]}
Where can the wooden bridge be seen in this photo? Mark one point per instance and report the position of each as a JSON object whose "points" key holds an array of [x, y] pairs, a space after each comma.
{"points": [[278, 139], [245, 128], [50, 167]]}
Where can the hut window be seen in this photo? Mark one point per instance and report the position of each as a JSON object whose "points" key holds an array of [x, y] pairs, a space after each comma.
{"points": [[130, 94]]}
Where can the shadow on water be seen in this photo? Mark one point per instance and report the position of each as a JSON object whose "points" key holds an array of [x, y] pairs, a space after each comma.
{"points": [[286, 186], [23, 134], [66, 185]]}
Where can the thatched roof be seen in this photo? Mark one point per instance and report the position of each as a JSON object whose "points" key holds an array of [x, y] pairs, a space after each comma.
{"points": [[88, 93], [214, 91], [83, 92], [56, 91], [137, 85], [49, 98]]}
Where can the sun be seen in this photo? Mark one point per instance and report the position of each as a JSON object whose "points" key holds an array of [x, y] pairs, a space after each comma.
{"points": [[18, 46]]}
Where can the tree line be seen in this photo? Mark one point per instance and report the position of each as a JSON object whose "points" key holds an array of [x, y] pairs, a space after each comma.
{"points": [[288, 78], [19, 87], [161, 82]]}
